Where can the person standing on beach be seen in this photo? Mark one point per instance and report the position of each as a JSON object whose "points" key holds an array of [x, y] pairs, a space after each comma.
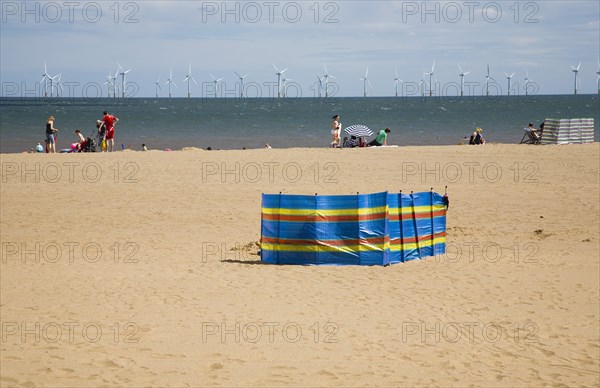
{"points": [[101, 135], [51, 135], [336, 129], [109, 122]]}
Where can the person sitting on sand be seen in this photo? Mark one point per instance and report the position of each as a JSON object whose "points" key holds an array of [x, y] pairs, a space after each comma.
{"points": [[381, 139], [81, 140], [351, 143], [477, 137], [534, 132]]}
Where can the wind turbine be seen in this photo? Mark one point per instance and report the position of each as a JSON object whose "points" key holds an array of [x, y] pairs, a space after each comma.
{"points": [[487, 81], [157, 83], [52, 81], [365, 79], [598, 72], [241, 77], [189, 77], [527, 81], [326, 77], [279, 74], [423, 82], [59, 87], [576, 71], [45, 78], [509, 77], [320, 81], [115, 84], [107, 83], [284, 81], [215, 81], [122, 73], [396, 80], [462, 79], [170, 81], [431, 76]]}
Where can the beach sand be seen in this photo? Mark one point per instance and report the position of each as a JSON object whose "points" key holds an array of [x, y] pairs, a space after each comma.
{"points": [[140, 269]]}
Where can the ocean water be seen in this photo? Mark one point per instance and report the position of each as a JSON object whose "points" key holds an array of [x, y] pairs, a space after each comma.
{"points": [[292, 122]]}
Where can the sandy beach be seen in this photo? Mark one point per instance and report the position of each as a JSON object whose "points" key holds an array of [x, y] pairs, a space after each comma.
{"points": [[141, 269]]}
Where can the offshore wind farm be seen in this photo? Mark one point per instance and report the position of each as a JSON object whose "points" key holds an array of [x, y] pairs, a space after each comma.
{"points": [[327, 85]]}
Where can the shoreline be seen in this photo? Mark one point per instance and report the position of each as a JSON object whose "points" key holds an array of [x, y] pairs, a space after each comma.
{"points": [[192, 149]]}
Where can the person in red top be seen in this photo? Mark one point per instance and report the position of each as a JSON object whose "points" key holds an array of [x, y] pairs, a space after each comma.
{"points": [[109, 122]]}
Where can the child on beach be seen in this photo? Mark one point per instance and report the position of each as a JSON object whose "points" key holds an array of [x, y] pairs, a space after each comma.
{"points": [[336, 128]]}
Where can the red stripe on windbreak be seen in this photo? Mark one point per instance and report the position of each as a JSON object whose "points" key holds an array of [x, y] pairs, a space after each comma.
{"points": [[406, 217], [316, 218], [410, 240], [372, 240]]}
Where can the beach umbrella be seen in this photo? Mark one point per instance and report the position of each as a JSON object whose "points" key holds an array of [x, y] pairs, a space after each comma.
{"points": [[358, 130]]}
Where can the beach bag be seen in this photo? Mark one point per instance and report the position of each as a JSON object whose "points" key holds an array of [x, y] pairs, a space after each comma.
{"points": [[103, 145]]}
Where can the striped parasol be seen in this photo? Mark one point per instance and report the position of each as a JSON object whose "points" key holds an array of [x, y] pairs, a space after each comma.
{"points": [[358, 130]]}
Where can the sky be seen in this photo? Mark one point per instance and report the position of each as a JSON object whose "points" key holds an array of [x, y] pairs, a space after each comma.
{"points": [[84, 41]]}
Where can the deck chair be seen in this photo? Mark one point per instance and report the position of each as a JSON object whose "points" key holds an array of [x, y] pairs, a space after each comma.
{"points": [[529, 137]]}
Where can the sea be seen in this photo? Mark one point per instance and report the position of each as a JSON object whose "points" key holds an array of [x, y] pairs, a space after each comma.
{"points": [[230, 123]]}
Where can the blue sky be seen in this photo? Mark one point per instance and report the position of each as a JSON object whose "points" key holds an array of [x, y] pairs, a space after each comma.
{"points": [[84, 40]]}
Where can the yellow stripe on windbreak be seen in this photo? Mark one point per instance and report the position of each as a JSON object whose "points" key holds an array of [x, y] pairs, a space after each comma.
{"points": [[324, 248], [324, 212], [418, 209], [423, 244]]}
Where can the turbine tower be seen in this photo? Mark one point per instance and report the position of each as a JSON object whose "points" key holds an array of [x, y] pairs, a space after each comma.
{"points": [[527, 81], [241, 77], [59, 87], [157, 83], [122, 72], [598, 72], [365, 79], [189, 77], [115, 84], [45, 78], [170, 81], [576, 72], [326, 77], [509, 77], [423, 82], [320, 83], [108, 84], [462, 79], [487, 81], [52, 81], [284, 82], [396, 80], [279, 74], [431, 76], [215, 81]]}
